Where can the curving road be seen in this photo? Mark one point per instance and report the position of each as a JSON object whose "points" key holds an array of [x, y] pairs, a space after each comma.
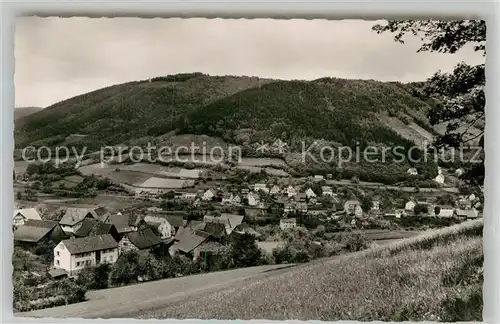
{"points": [[128, 301]]}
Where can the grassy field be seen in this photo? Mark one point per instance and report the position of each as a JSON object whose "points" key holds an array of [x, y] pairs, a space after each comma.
{"points": [[262, 162], [436, 276]]}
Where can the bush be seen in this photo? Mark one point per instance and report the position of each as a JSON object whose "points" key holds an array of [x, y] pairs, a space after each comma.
{"points": [[355, 242]]}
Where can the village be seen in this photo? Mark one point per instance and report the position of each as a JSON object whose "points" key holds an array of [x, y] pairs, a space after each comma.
{"points": [[198, 223]]}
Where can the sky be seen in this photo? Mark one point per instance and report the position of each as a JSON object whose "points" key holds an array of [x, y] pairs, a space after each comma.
{"points": [[58, 58]]}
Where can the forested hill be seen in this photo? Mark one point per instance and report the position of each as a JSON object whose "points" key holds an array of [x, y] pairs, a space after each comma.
{"points": [[236, 109]]}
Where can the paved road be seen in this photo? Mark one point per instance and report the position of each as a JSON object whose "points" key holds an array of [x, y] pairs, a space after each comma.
{"points": [[128, 301]]}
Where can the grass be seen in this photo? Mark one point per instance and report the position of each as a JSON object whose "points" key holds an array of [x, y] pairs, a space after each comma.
{"points": [[436, 276]]}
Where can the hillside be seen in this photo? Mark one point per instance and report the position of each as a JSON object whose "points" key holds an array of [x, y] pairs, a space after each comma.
{"points": [[233, 108], [21, 112], [433, 277]]}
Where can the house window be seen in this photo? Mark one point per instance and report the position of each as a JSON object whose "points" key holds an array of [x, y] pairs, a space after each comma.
{"points": [[57, 253], [57, 262], [78, 264], [88, 263]]}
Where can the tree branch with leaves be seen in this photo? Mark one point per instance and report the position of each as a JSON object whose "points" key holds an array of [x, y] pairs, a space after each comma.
{"points": [[458, 97]]}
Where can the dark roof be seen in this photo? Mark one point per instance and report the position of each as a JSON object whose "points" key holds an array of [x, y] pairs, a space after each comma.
{"points": [[196, 224], [120, 222], [188, 240], [217, 230], [33, 230], [57, 272], [74, 215], [90, 243], [85, 227], [144, 239], [101, 213], [175, 220]]}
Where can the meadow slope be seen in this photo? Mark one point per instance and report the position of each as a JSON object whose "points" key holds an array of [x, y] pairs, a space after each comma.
{"points": [[436, 276]]}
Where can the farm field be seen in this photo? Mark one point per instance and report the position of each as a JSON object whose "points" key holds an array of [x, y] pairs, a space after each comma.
{"points": [[162, 183], [101, 169]]}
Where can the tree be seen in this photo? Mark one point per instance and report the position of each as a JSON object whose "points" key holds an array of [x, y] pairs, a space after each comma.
{"points": [[19, 196], [420, 209], [366, 203], [437, 210], [244, 251], [460, 95]]}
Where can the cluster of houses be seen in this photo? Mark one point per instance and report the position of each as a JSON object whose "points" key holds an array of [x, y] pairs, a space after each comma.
{"points": [[90, 235]]}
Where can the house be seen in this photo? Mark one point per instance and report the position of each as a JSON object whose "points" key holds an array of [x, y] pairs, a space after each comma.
{"points": [[472, 197], [34, 231], [275, 190], [326, 191], [375, 205], [446, 212], [464, 203], [92, 227], [351, 206], [189, 195], [318, 178], [73, 217], [286, 223], [21, 215], [141, 241], [127, 223], [160, 224], [100, 213], [75, 254], [261, 187], [301, 197], [289, 206], [412, 171], [410, 204], [253, 199], [291, 191], [187, 240], [310, 193], [226, 198], [459, 172], [439, 179], [176, 222], [208, 195], [466, 213], [235, 199]]}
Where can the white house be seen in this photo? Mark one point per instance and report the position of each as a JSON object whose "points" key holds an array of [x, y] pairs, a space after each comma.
{"points": [[286, 223], [21, 215], [318, 177], [208, 195], [253, 199], [310, 193], [446, 212], [472, 197], [227, 198], [275, 190], [410, 205], [326, 191], [236, 199], [262, 187], [459, 172], [291, 191], [161, 224], [74, 254], [375, 205], [439, 178], [412, 171], [189, 195], [351, 206]]}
